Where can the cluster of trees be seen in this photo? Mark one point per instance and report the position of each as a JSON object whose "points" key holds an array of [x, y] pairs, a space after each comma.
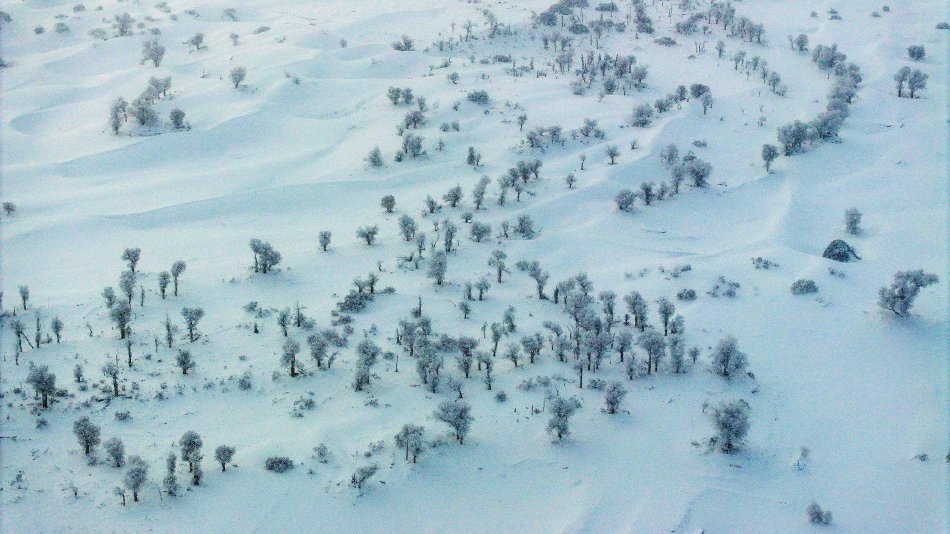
{"points": [[88, 434], [142, 109], [19, 330], [689, 167], [914, 79], [740, 27], [825, 127], [266, 257], [759, 67]]}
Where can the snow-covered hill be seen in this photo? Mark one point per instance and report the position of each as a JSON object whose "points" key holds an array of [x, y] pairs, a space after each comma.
{"points": [[281, 156]]}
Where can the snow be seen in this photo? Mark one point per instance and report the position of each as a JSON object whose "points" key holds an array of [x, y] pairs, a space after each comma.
{"points": [[863, 390]]}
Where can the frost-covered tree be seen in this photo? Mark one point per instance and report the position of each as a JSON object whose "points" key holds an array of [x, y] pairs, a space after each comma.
{"points": [[613, 396], [612, 152], [190, 444], [87, 433], [509, 320], [117, 114], [411, 439], [655, 346], [368, 233], [852, 221], [487, 362], [237, 76], [57, 327], [677, 348], [115, 450], [177, 268], [666, 310], [670, 155], [827, 125], [792, 136], [170, 330], [185, 361], [170, 483], [466, 346], [375, 158], [127, 283], [647, 192], [453, 196], [642, 116], [24, 296], [571, 180], [561, 410], [289, 351], [817, 516], [916, 52], [916, 82], [623, 343], [136, 475], [197, 40], [223, 455], [513, 353], [362, 474], [706, 100], [727, 359], [164, 279], [497, 261], [132, 256], [407, 227], [43, 383], [367, 353], [121, 315], [142, 111], [731, 420], [699, 171], [637, 308], [153, 51], [482, 285], [625, 199], [388, 203], [324, 239], [769, 154], [108, 294], [480, 231], [900, 295], [903, 74], [448, 237], [457, 414], [123, 24], [438, 264], [524, 226], [478, 193], [192, 316]]}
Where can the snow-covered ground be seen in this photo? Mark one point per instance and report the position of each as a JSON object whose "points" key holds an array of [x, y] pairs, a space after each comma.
{"points": [[281, 158]]}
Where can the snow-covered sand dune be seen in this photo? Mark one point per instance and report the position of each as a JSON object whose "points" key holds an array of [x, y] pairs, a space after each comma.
{"points": [[281, 158]]}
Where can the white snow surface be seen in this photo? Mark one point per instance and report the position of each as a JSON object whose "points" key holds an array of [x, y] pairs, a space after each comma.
{"points": [[865, 391]]}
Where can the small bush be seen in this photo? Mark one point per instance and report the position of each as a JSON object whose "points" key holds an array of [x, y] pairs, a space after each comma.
{"points": [[479, 97], [501, 396], [803, 286], [686, 295], [278, 464], [817, 516]]}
